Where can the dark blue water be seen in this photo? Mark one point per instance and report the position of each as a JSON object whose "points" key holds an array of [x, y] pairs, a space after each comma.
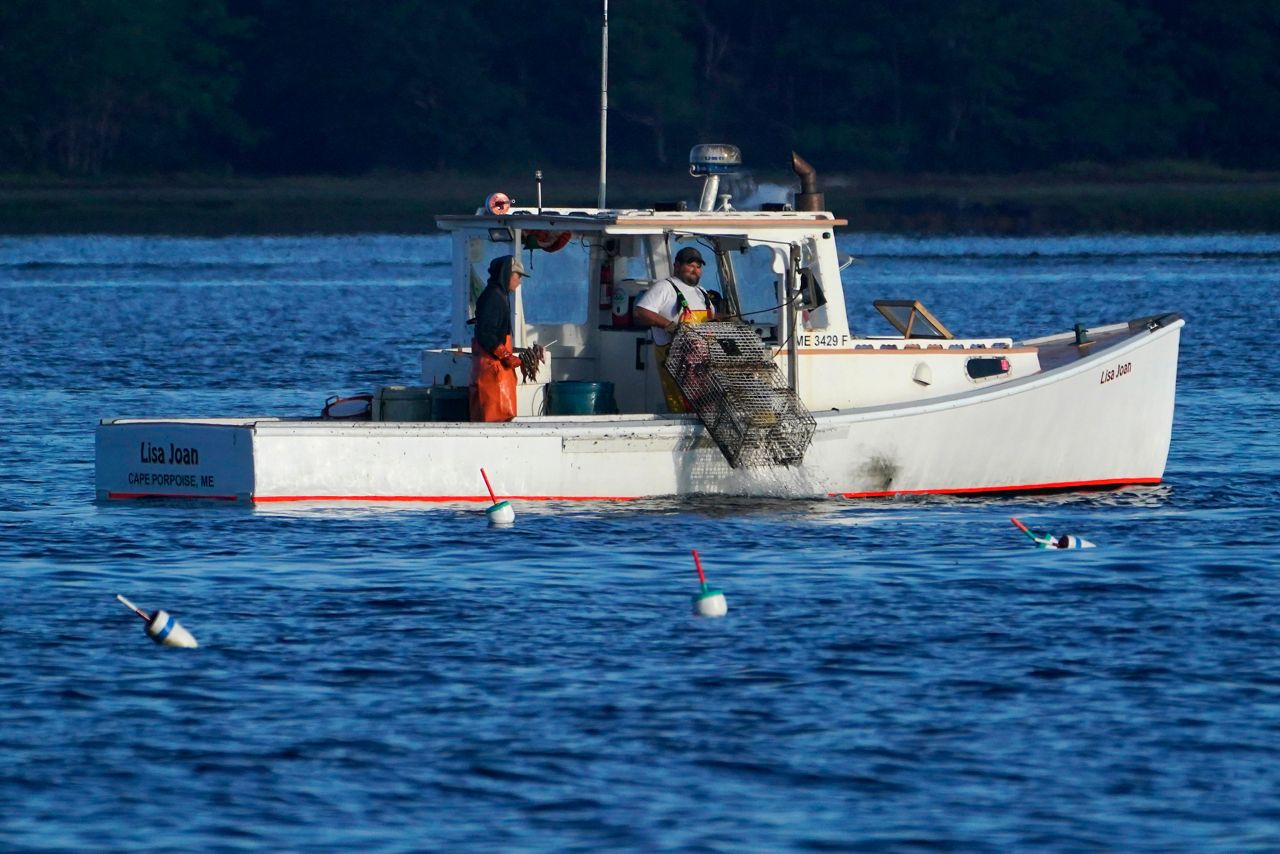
{"points": [[904, 674]]}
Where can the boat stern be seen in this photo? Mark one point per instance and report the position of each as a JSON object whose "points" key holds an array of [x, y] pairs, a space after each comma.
{"points": [[149, 458]]}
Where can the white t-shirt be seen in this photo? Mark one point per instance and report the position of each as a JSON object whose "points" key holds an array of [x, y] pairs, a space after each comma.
{"points": [[661, 300]]}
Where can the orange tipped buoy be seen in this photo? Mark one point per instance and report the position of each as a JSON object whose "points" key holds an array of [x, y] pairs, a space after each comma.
{"points": [[1045, 540]]}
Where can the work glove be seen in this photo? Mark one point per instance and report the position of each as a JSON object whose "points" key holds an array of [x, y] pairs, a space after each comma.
{"points": [[506, 357]]}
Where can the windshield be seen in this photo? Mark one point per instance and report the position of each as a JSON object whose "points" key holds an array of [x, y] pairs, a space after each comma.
{"points": [[556, 291], [758, 273]]}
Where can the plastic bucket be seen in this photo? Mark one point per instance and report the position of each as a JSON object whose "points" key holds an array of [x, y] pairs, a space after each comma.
{"points": [[580, 398], [450, 403], [358, 407]]}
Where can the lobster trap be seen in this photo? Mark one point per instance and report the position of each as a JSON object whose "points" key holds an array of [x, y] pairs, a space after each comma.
{"points": [[737, 391]]}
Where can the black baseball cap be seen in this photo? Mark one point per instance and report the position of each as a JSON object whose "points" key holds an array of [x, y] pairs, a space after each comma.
{"points": [[687, 254]]}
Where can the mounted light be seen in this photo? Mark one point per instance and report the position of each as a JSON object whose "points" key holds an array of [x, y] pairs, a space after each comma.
{"points": [[498, 204], [714, 159]]}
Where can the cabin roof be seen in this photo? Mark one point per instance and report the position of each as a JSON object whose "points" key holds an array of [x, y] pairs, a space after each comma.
{"points": [[591, 219]]}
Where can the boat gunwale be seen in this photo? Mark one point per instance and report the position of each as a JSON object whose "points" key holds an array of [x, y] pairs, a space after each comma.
{"points": [[572, 426]]}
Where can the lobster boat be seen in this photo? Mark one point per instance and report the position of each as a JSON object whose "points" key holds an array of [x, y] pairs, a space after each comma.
{"points": [[784, 400]]}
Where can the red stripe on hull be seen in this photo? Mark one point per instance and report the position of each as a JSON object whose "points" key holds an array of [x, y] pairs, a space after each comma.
{"points": [[443, 498], [1030, 487]]}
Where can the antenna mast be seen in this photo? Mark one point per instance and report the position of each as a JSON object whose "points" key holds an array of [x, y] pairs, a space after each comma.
{"points": [[604, 98]]}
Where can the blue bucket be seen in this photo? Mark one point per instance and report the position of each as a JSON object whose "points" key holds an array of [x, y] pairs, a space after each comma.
{"points": [[580, 398]]}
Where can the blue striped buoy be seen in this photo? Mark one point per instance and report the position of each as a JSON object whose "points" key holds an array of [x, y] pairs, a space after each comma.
{"points": [[162, 627], [166, 631]]}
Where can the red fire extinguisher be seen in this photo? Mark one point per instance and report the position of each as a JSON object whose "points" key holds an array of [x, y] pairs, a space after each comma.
{"points": [[606, 285]]}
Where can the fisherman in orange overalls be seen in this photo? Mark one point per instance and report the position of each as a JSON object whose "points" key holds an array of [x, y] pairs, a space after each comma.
{"points": [[670, 302], [493, 362]]}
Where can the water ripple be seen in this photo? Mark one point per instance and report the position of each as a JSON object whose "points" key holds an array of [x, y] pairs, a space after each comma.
{"points": [[898, 674]]}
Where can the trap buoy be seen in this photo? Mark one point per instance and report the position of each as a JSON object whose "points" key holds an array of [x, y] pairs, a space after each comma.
{"points": [[1045, 540], [501, 514], [708, 601], [162, 627]]}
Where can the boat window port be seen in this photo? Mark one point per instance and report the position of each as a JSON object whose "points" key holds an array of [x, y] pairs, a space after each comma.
{"points": [[982, 367]]}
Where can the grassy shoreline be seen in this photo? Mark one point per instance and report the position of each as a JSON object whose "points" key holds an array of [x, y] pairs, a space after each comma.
{"points": [[1138, 201]]}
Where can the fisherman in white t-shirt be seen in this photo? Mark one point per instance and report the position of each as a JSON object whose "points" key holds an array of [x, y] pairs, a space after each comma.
{"points": [[665, 306]]}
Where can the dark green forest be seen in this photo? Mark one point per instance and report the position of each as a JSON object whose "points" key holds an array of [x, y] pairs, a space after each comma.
{"points": [[292, 87]]}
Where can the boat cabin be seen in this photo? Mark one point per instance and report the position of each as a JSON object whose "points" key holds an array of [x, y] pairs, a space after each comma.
{"points": [[777, 270]]}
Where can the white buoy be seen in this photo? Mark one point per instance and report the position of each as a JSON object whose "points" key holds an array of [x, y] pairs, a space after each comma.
{"points": [[162, 627], [165, 630], [1051, 541], [501, 514], [708, 601]]}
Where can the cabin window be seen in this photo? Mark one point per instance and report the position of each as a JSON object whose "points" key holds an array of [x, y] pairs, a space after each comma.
{"points": [[634, 261], [556, 291], [711, 279], [757, 273]]}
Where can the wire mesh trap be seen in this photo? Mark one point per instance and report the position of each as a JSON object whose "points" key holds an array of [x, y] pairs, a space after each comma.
{"points": [[737, 391]]}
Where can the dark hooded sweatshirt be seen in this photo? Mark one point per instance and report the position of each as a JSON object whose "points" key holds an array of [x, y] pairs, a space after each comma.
{"points": [[493, 311]]}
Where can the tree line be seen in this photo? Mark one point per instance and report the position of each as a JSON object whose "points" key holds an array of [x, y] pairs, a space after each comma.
{"points": [[271, 87]]}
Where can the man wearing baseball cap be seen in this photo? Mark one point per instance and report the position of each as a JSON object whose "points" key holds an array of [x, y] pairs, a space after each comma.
{"points": [[664, 307], [493, 362]]}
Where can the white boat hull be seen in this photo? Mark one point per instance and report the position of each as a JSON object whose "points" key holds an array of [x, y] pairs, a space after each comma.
{"points": [[1071, 427]]}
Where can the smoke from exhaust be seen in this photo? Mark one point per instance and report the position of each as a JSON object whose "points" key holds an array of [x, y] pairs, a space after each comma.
{"points": [[750, 194]]}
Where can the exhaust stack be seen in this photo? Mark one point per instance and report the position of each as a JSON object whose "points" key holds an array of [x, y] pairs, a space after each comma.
{"points": [[808, 199]]}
